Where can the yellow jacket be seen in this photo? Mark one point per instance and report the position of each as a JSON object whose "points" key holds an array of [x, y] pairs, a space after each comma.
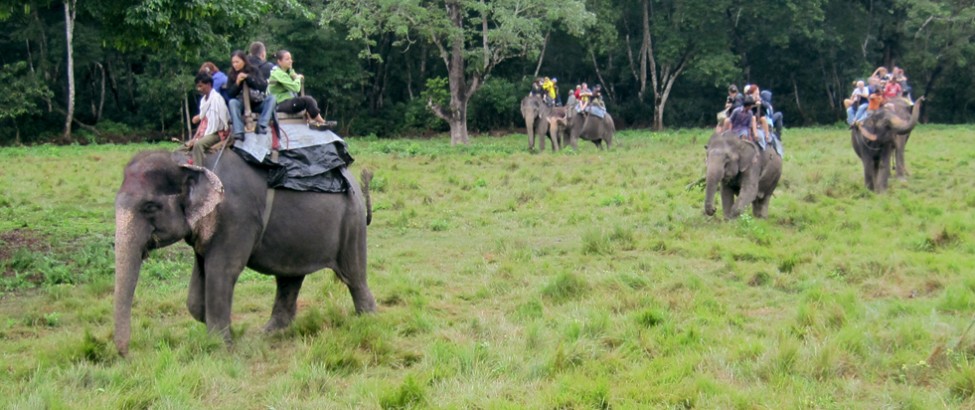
{"points": [[549, 86]]}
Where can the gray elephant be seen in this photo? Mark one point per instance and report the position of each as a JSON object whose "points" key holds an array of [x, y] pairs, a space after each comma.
{"points": [[742, 170], [591, 128], [537, 116], [222, 217], [883, 132]]}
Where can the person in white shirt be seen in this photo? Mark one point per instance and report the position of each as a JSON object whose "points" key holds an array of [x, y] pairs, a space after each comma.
{"points": [[213, 118]]}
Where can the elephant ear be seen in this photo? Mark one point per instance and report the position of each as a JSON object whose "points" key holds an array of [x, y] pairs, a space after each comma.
{"points": [[203, 191], [747, 153]]}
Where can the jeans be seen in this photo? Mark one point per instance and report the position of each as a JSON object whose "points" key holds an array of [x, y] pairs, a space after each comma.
{"points": [[237, 113], [861, 113], [854, 113]]}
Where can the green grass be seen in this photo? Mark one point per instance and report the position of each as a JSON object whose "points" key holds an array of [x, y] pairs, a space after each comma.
{"points": [[514, 280]]}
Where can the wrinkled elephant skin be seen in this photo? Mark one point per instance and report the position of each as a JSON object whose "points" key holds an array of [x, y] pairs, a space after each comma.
{"points": [[741, 170], [220, 215]]}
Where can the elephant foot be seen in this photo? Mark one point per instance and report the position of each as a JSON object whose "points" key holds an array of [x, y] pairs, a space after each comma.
{"points": [[275, 325]]}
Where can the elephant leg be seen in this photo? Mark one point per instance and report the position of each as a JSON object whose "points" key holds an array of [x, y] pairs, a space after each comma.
{"points": [[196, 299], [285, 302], [749, 190], [760, 207], [727, 201], [868, 171], [222, 270], [351, 270], [900, 143], [883, 172]]}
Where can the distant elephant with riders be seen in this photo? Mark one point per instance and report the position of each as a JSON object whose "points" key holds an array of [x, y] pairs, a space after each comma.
{"points": [[741, 169], [884, 132]]}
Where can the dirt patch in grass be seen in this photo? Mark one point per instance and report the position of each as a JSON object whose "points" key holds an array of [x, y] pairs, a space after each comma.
{"points": [[17, 239]]}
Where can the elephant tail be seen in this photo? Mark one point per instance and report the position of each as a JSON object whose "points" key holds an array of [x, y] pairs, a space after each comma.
{"points": [[366, 179]]}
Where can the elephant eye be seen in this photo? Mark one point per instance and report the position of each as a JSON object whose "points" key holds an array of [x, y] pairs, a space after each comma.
{"points": [[150, 207]]}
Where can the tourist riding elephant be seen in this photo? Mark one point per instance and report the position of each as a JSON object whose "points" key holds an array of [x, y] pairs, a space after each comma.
{"points": [[590, 127], [883, 132], [221, 215], [536, 114], [742, 169]]}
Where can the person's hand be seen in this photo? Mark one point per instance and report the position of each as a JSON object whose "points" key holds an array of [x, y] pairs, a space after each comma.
{"points": [[196, 119], [190, 143], [241, 77]]}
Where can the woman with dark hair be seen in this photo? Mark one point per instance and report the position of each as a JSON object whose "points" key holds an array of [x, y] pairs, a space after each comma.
{"points": [[241, 72], [285, 84]]}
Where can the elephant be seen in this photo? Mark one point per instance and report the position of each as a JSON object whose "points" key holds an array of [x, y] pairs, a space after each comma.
{"points": [[742, 169], [590, 127], [222, 215], [538, 117], [883, 132]]}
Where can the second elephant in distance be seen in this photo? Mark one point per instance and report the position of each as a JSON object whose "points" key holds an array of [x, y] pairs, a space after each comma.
{"points": [[883, 133], [537, 116], [591, 128], [742, 170]]}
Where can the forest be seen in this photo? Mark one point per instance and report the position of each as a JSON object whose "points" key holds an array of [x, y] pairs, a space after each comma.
{"points": [[114, 70]]}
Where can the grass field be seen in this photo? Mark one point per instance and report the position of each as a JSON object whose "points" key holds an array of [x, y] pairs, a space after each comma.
{"points": [[513, 280]]}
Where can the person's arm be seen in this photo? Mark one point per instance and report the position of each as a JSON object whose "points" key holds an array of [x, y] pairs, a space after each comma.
{"points": [[231, 87], [284, 79], [768, 136]]}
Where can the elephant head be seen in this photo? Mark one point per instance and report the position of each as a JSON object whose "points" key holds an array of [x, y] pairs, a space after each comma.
{"points": [[532, 108], [730, 160], [158, 204], [886, 124]]}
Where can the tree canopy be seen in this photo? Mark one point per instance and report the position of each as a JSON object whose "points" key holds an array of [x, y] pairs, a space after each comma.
{"points": [[416, 67]]}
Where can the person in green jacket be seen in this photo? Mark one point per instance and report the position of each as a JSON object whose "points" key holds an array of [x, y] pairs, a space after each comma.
{"points": [[285, 84]]}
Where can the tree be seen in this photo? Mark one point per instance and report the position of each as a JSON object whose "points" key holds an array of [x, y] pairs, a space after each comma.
{"points": [[471, 36], [21, 94], [675, 37], [70, 10]]}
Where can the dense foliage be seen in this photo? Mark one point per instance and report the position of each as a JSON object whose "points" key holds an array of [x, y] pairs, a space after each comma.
{"points": [[662, 63]]}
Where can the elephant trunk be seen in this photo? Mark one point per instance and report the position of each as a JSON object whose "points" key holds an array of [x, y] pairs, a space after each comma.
{"points": [[714, 174], [131, 238], [899, 126]]}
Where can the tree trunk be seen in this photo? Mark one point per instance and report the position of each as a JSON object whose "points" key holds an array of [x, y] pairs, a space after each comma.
{"points": [[101, 95], [541, 57], [69, 15], [460, 91], [646, 50]]}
